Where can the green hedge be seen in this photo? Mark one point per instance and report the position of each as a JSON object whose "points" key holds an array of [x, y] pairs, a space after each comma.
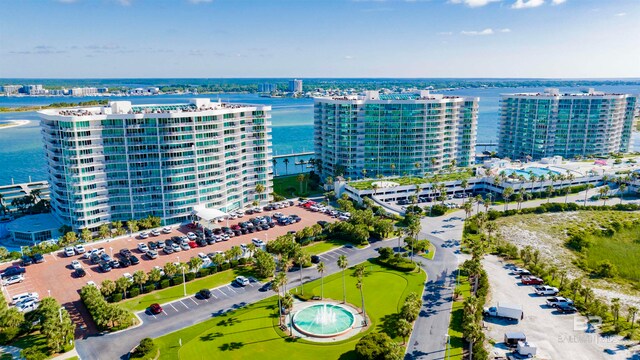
{"points": [[190, 276], [234, 263], [225, 266], [149, 288], [117, 297], [134, 292], [397, 262], [176, 280], [164, 284]]}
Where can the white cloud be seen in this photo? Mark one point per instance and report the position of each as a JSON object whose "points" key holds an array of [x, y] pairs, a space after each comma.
{"points": [[558, 2], [505, 30], [478, 33], [621, 14], [196, 2], [473, 3], [527, 4], [445, 33], [348, 57]]}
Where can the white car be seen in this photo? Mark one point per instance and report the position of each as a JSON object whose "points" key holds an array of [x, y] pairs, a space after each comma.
{"points": [[69, 251], [202, 256], [75, 264], [143, 247], [185, 246], [128, 277], [257, 242], [16, 299], [554, 301], [239, 213], [28, 305], [152, 254], [546, 290], [80, 249], [176, 248], [143, 235], [192, 236], [155, 232], [242, 281], [13, 280], [256, 210], [92, 283], [166, 230], [159, 268]]}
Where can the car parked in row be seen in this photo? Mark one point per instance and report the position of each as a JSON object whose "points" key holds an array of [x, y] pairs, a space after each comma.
{"points": [[15, 279], [545, 290], [531, 280]]}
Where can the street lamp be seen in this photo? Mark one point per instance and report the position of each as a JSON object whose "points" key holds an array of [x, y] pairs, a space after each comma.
{"points": [[184, 284], [448, 345]]}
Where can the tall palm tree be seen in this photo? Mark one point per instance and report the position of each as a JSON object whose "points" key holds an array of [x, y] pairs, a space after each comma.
{"points": [[301, 257], [393, 169], [342, 264], [586, 193], [464, 183], [622, 188], [478, 201], [279, 283], [286, 165], [360, 270], [321, 269], [274, 161], [603, 191], [506, 194]]}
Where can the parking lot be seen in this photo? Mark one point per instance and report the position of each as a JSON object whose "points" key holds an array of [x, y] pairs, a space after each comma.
{"points": [[54, 276], [557, 336]]}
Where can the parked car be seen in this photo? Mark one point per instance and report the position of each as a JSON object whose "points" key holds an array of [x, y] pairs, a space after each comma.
{"points": [[155, 232], [242, 281], [114, 264], [521, 272], [295, 218], [554, 301], [531, 280], [160, 244], [125, 252], [151, 254], [168, 250], [125, 262], [13, 270], [13, 280], [152, 245], [166, 230], [185, 246], [544, 290], [16, 299], [134, 260], [566, 308], [75, 264], [266, 287], [27, 306], [191, 236], [105, 257], [37, 258], [315, 259], [204, 294], [104, 267], [80, 273], [80, 249], [142, 247], [69, 251], [176, 247], [155, 309], [128, 277], [143, 235], [26, 260]]}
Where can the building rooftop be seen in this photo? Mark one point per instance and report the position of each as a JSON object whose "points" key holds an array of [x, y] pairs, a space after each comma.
{"points": [[375, 96], [556, 93], [34, 223]]}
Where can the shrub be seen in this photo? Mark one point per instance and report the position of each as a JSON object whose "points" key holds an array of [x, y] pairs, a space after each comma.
{"points": [[605, 269], [117, 297], [149, 288], [177, 280], [437, 210], [134, 292], [33, 353], [242, 261], [189, 276], [578, 242], [225, 266], [164, 283], [385, 252], [204, 272], [397, 262], [146, 347], [378, 346], [234, 263]]}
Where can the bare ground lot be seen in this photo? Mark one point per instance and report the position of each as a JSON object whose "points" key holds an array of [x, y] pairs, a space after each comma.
{"points": [[545, 233], [556, 336]]}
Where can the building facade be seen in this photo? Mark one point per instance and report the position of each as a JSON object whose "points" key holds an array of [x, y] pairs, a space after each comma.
{"points": [[393, 134], [267, 88], [295, 86], [125, 161], [537, 125]]}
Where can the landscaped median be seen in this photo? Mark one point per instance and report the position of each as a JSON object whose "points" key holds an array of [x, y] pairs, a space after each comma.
{"points": [[254, 329], [456, 344]]}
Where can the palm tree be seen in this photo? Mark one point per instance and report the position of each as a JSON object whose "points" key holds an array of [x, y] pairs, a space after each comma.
{"points": [[433, 162], [286, 165], [300, 179], [259, 190], [632, 315], [278, 283], [464, 183], [549, 191], [603, 191], [518, 198], [506, 194], [321, 269], [393, 169], [301, 257], [359, 272], [274, 161], [490, 227], [364, 173], [478, 201], [586, 193], [622, 187], [342, 264]]}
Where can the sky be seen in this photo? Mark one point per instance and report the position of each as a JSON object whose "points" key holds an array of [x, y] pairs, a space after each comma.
{"points": [[323, 38]]}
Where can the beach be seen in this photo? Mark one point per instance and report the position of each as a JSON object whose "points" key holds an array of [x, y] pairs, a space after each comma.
{"points": [[13, 123]]}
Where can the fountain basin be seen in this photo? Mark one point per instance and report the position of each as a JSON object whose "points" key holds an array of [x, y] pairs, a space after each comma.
{"points": [[324, 320]]}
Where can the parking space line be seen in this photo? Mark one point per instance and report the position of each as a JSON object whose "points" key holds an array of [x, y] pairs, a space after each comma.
{"points": [[194, 301], [154, 316], [174, 308], [250, 284], [223, 293], [213, 296], [229, 287], [164, 312], [185, 305]]}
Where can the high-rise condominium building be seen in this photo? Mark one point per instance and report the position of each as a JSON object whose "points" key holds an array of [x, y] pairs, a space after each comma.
{"points": [[295, 86], [125, 161], [267, 88], [394, 134], [537, 125]]}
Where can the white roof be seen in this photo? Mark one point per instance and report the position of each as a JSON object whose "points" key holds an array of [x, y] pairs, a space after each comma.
{"points": [[208, 214]]}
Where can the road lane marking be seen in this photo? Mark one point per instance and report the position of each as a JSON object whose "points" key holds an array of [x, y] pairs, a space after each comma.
{"points": [[223, 293], [229, 287], [164, 312], [194, 301], [174, 308], [185, 305]]}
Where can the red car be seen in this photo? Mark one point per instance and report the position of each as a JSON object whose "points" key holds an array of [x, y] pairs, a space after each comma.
{"points": [[193, 244], [531, 280], [235, 227], [155, 309]]}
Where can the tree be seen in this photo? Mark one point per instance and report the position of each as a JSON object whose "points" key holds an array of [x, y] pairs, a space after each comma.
{"points": [[154, 275], [301, 257], [264, 265], [286, 165], [132, 225], [104, 231], [586, 193], [321, 269], [378, 346], [170, 269], [300, 180], [287, 304], [122, 285], [603, 191], [259, 190], [615, 309], [86, 235], [33, 353], [622, 187], [631, 317], [360, 272], [117, 226], [278, 283], [342, 264], [140, 278], [490, 227], [403, 327], [107, 288], [194, 264], [506, 194], [235, 252], [68, 238], [145, 348]]}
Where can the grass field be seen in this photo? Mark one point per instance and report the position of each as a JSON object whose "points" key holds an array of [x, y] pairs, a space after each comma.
{"points": [[456, 347], [622, 249], [322, 246], [282, 183], [253, 329], [411, 180], [431, 253], [176, 292]]}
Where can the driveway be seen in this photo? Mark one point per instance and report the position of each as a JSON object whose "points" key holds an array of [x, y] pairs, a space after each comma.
{"points": [[557, 336]]}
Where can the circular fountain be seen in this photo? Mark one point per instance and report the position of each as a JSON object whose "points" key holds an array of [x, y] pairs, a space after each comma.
{"points": [[324, 320]]}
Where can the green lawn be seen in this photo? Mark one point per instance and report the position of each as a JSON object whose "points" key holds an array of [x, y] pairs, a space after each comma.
{"points": [[456, 347], [251, 332], [431, 253], [322, 246], [176, 292], [33, 339], [622, 249], [414, 180], [282, 183]]}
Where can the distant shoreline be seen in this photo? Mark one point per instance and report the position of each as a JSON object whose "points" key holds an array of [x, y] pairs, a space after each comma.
{"points": [[13, 123]]}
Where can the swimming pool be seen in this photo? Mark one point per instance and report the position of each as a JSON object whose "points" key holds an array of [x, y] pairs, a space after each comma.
{"points": [[534, 170]]}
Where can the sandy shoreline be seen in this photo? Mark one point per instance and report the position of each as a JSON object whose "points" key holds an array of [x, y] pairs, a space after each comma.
{"points": [[14, 123]]}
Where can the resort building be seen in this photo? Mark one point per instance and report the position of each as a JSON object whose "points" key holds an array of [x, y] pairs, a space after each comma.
{"points": [[295, 86], [394, 134], [124, 161], [537, 125]]}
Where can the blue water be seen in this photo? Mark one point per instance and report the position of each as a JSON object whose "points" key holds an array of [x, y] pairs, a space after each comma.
{"points": [[21, 153], [535, 170]]}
